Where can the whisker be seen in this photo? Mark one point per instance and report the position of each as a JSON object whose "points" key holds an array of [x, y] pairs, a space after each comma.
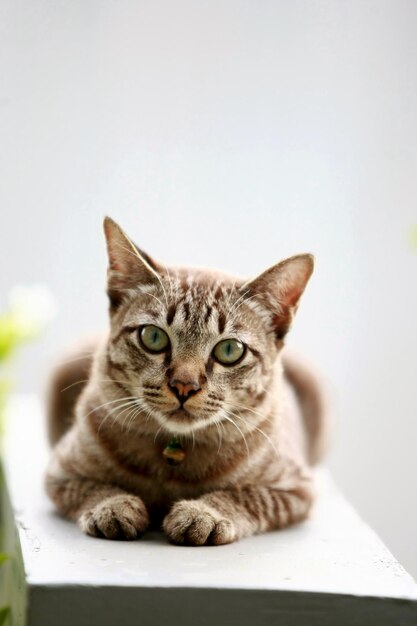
{"points": [[100, 406], [220, 436], [171, 284], [149, 411], [236, 308], [156, 298], [85, 380], [128, 409], [136, 254], [141, 408], [248, 408], [157, 433], [132, 416], [141, 291], [110, 414], [81, 356], [231, 294], [229, 419], [117, 409], [260, 431], [237, 301], [133, 251]]}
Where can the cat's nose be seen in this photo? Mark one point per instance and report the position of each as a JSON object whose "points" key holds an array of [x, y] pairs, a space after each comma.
{"points": [[183, 389]]}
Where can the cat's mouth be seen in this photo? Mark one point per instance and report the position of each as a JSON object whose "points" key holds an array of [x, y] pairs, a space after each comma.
{"points": [[181, 421], [181, 414]]}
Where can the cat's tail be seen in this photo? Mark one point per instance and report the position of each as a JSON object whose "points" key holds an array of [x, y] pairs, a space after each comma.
{"points": [[68, 379], [313, 398]]}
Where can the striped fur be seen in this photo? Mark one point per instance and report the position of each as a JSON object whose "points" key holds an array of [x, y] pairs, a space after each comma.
{"points": [[246, 466]]}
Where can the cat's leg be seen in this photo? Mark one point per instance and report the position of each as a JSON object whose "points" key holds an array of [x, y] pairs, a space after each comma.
{"points": [[225, 516], [100, 510]]}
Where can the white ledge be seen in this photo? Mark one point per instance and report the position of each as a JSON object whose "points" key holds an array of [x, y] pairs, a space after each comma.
{"points": [[332, 569]]}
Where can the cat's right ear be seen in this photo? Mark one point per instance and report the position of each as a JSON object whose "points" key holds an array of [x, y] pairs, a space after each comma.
{"points": [[279, 288], [128, 266]]}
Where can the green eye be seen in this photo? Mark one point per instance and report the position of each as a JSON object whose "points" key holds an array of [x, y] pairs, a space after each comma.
{"points": [[153, 338], [229, 351]]}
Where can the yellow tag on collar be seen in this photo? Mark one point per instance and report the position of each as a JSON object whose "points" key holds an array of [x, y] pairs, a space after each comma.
{"points": [[174, 452]]}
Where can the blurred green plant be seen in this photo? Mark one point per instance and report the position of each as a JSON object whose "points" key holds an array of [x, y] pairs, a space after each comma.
{"points": [[4, 614], [28, 311]]}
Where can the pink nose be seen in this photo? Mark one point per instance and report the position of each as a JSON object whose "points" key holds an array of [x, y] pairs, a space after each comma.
{"points": [[183, 390]]}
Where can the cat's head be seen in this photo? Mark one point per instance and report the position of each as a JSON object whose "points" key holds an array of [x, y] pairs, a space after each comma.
{"points": [[194, 347]]}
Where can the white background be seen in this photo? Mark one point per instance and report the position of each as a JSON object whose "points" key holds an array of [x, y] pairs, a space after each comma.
{"points": [[231, 133]]}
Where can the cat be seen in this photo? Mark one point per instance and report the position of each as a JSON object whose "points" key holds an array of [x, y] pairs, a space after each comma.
{"points": [[189, 416]]}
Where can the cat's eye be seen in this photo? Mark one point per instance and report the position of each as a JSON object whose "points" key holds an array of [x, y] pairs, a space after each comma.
{"points": [[153, 338], [229, 351]]}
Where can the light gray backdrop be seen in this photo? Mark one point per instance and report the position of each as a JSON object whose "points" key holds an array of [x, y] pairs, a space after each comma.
{"points": [[231, 133]]}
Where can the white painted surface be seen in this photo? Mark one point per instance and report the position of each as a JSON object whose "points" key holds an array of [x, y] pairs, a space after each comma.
{"points": [[231, 133], [333, 553]]}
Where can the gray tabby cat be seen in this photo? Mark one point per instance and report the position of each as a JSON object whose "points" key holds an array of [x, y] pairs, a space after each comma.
{"points": [[190, 417]]}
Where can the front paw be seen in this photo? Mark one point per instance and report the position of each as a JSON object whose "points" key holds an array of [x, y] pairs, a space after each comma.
{"points": [[116, 517], [195, 523]]}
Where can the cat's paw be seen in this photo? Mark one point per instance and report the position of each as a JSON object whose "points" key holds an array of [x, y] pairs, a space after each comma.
{"points": [[195, 523], [116, 517]]}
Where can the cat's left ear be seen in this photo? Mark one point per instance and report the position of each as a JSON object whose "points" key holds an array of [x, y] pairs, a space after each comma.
{"points": [[128, 266], [279, 288]]}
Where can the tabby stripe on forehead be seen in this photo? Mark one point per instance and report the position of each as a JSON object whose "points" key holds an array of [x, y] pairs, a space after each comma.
{"points": [[186, 311], [222, 321], [208, 314], [184, 286], [171, 313]]}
